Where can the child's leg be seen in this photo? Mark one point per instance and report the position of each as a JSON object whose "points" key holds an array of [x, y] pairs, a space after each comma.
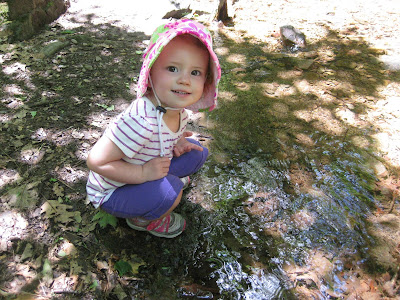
{"points": [[150, 200], [188, 163], [156, 199]]}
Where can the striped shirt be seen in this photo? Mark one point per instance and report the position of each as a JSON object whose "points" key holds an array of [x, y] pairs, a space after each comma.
{"points": [[135, 132]]}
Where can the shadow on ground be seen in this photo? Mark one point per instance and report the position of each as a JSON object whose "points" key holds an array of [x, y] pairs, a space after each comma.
{"points": [[290, 172]]}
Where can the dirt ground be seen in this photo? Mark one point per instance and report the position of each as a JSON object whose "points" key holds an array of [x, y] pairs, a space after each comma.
{"points": [[61, 88]]}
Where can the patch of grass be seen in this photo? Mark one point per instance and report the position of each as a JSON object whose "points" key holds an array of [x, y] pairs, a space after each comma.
{"points": [[3, 13]]}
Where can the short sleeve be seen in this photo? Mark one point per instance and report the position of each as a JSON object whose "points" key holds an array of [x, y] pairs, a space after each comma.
{"points": [[129, 133]]}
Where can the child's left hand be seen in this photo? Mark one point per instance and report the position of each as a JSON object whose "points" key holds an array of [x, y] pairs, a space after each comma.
{"points": [[184, 145]]}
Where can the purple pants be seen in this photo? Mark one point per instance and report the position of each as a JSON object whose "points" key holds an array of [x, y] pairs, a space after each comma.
{"points": [[152, 199]]}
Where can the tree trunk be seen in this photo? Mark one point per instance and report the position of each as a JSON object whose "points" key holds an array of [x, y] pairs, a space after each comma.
{"points": [[28, 16], [222, 12]]}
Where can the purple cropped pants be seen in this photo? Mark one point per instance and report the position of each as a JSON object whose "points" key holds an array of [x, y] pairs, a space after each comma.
{"points": [[152, 199]]}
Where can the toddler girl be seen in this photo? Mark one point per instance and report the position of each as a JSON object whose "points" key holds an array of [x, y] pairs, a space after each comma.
{"points": [[142, 162]]}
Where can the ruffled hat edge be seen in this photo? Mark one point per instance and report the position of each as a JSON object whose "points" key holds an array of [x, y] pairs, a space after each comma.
{"points": [[160, 38]]}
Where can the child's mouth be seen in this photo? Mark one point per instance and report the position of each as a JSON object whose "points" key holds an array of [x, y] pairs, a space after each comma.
{"points": [[180, 92]]}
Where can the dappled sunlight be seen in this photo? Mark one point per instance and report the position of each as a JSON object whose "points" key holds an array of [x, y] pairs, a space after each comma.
{"points": [[83, 150], [227, 96], [222, 51], [387, 109], [13, 90], [8, 176], [322, 119], [65, 137], [63, 284], [41, 134], [262, 204], [12, 226], [83, 139], [5, 118], [99, 119], [62, 137], [302, 153], [243, 86], [70, 174], [16, 69], [361, 142], [304, 219], [19, 71], [62, 250], [25, 275], [13, 103], [14, 96], [348, 116], [281, 109], [237, 59], [301, 177], [289, 75], [32, 156], [277, 90]]}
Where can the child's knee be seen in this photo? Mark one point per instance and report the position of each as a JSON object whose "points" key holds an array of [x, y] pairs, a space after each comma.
{"points": [[200, 155]]}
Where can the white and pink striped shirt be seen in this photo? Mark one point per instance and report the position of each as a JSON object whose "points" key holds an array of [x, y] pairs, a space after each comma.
{"points": [[135, 132]]}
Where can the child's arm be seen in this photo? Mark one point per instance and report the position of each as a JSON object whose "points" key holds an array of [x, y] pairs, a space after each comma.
{"points": [[106, 159], [184, 145]]}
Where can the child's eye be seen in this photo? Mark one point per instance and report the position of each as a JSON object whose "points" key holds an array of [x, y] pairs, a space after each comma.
{"points": [[196, 73], [172, 69]]}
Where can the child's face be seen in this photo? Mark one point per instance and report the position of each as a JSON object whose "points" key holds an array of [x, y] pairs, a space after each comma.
{"points": [[179, 73]]}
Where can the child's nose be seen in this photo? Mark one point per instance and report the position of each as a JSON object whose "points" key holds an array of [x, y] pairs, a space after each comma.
{"points": [[184, 78]]}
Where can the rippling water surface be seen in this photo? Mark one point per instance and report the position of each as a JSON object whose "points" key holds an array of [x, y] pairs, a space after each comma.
{"points": [[264, 213]]}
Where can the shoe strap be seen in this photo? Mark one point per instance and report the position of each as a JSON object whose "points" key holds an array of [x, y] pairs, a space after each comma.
{"points": [[160, 225]]}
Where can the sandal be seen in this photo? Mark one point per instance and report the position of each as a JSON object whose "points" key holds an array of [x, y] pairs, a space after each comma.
{"points": [[169, 227]]}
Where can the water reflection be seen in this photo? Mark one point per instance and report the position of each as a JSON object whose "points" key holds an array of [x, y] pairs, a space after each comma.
{"points": [[236, 284], [269, 213]]}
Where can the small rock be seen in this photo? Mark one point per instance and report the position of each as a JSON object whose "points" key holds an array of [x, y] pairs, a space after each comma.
{"points": [[389, 288], [380, 169], [292, 37], [53, 48], [177, 14]]}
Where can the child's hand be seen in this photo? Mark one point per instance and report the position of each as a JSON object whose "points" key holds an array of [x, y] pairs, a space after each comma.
{"points": [[156, 168], [184, 145]]}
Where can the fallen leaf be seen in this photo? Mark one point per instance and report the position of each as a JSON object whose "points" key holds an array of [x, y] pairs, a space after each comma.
{"points": [[28, 252], [59, 212], [58, 190]]}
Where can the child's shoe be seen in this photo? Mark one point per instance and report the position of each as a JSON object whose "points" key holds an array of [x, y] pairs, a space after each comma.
{"points": [[169, 227], [186, 182]]}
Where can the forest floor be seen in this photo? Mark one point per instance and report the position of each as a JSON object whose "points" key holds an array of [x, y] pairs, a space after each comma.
{"points": [[62, 87]]}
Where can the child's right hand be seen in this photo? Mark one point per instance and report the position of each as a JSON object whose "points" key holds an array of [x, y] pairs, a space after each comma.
{"points": [[106, 159], [156, 168]]}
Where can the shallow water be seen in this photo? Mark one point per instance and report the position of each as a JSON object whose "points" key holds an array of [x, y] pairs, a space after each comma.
{"points": [[263, 213]]}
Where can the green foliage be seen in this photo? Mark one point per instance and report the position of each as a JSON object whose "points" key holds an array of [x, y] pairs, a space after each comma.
{"points": [[62, 214], [104, 219], [106, 107], [123, 267], [3, 13]]}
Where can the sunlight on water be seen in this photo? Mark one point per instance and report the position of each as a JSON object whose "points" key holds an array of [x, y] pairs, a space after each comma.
{"points": [[265, 217], [237, 284]]}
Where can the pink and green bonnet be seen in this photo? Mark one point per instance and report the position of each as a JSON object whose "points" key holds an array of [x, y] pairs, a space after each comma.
{"points": [[160, 38]]}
